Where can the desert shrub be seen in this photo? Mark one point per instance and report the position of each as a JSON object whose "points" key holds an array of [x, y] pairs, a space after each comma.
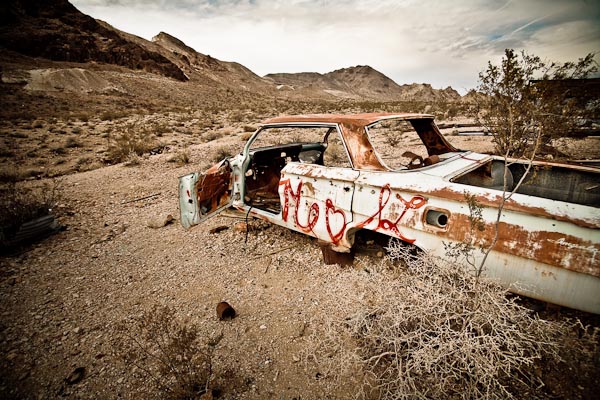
{"points": [[524, 106], [85, 163], [237, 116], [132, 140], [245, 136], [249, 128], [220, 153], [6, 152], [432, 330], [112, 115], [19, 135], [132, 160], [57, 150], [170, 354], [336, 155], [211, 135], [161, 128], [72, 142], [20, 203], [180, 158]]}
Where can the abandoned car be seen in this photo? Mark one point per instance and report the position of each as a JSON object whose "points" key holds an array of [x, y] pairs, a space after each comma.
{"points": [[335, 176]]}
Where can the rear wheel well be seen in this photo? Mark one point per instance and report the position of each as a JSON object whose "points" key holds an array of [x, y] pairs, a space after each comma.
{"points": [[366, 237]]}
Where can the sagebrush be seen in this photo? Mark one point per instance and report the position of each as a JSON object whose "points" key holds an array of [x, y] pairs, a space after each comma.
{"points": [[132, 140], [171, 354], [432, 330]]}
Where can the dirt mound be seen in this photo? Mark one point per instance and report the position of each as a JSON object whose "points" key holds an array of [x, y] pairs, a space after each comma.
{"points": [[69, 80]]}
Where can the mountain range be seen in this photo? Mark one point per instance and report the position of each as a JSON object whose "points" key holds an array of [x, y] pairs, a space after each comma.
{"points": [[58, 31]]}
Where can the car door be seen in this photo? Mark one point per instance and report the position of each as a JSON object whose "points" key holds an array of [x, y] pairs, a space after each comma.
{"points": [[317, 200], [203, 195]]}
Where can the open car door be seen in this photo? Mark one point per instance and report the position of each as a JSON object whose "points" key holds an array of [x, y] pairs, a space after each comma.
{"points": [[202, 196]]}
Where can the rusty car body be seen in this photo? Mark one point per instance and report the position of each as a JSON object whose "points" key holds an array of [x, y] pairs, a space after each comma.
{"points": [[332, 176]]}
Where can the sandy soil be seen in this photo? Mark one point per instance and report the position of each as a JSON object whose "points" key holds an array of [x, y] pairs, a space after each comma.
{"points": [[63, 298]]}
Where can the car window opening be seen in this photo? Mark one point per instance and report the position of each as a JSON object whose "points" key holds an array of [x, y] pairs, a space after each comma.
{"points": [[275, 147]]}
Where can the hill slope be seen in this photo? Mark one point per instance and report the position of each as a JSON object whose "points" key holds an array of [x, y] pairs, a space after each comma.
{"points": [[56, 30]]}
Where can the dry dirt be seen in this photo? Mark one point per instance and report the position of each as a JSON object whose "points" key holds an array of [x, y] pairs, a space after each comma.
{"points": [[66, 301], [62, 299]]}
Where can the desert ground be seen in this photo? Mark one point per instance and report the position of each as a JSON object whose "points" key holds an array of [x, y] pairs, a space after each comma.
{"points": [[71, 304], [96, 126]]}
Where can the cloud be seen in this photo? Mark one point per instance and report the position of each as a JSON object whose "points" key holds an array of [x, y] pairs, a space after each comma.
{"points": [[440, 42]]}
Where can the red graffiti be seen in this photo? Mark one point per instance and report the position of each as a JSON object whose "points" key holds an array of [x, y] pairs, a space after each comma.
{"points": [[382, 223], [288, 193], [291, 196], [330, 209]]}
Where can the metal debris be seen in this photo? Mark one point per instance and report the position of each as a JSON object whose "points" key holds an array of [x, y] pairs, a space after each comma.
{"points": [[225, 312]]}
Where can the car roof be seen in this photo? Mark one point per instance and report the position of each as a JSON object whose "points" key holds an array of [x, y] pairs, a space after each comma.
{"points": [[343, 119], [353, 131]]}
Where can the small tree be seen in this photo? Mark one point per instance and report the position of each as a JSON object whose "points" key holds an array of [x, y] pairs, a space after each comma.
{"points": [[522, 108], [523, 112]]}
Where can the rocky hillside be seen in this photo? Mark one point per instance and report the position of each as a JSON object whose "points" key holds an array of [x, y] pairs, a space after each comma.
{"points": [[360, 82], [56, 30], [424, 91], [200, 66], [34, 30]]}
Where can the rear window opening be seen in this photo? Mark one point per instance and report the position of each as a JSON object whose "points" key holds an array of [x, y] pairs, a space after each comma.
{"points": [[546, 181]]}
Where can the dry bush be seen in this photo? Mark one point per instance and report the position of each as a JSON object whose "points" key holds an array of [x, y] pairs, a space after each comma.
{"points": [[221, 153], [86, 163], [110, 115], [160, 128], [19, 135], [336, 154], [212, 135], [20, 203], [180, 158], [432, 330], [523, 106], [133, 140], [246, 135], [237, 116], [72, 142], [57, 150], [172, 356], [132, 160]]}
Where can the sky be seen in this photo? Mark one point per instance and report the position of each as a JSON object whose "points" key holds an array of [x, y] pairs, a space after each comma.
{"points": [[441, 42]]}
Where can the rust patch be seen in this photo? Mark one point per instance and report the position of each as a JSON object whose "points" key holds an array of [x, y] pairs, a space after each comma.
{"points": [[213, 189], [333, 257], [511, 205], [225, 311], [552, 248], [548, 274], [352, 119], [431, 137], [360, 148], [308, 190]]}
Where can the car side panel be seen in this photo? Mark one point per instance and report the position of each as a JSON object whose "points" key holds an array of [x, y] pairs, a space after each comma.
{"points": [[317, 200]]}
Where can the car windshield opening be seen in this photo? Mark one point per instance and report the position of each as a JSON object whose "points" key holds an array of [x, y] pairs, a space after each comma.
{"points": [[397, 144]]}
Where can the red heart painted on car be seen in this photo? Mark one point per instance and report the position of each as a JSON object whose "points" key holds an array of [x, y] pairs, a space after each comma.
{"points": [[330, 209]]}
